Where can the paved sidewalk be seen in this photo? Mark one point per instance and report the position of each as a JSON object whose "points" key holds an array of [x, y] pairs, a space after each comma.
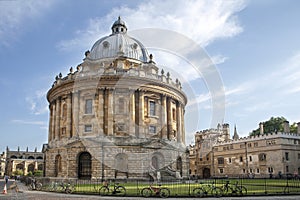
{"points": [[12, 193]]}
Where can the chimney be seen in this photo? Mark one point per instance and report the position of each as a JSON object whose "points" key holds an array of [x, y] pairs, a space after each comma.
{"points": [[226, 132], [261, 128], [286, 127], [298, 127]]}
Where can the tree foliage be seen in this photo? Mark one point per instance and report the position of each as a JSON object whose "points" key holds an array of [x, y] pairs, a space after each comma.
{"points": [[18, 172], [274, 124]]}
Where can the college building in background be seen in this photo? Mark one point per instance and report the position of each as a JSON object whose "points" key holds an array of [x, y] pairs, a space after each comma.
{"points": [[274, 154], [24, 161], [116, 116]]}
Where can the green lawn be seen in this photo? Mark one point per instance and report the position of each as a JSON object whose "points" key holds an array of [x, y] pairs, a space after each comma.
{"points": [[253, 186]]}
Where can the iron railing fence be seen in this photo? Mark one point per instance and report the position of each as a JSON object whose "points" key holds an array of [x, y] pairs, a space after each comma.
{"points": [[234, 186]]}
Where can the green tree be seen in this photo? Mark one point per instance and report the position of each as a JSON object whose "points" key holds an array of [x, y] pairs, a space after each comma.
{"points": [[18, 172], [38, 173], [293, 128], [274, 124]]}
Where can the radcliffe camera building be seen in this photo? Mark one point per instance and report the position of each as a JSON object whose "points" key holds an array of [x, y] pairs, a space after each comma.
{"points": [[116, 116]]}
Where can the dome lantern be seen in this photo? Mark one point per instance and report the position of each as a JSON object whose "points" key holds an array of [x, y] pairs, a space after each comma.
{"points": [[118, 44], [119, 26]]}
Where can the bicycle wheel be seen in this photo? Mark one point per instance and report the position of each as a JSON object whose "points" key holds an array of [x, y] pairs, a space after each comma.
{"points": [[104, 190], [38, 186], [198, 192], [164, 192], [216, 192], [243, 190], [146, 192], [226, 191], [120, 191]]}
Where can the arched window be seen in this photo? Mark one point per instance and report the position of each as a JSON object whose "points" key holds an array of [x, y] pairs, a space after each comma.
{"points": [[121, 162], [179, 165], [40, 167], [30, 168], [13, 157], [157, 161], [30, 157], [64, 112], [20, 166], [84, 165], [58, 167]]}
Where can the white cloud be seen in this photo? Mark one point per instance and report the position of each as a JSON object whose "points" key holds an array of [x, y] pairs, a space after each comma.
{"points": [[37, 103], [291, 73], [205, 98], [218, 59], [14, 13], [258, 106], [17, 121], [202, 21]]}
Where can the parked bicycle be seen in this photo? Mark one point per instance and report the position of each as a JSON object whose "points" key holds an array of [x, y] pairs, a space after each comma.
{"points": [[235, 189], [207, 189], [61, 187], [35, 185], [239, 189], [155, 191], [112, 189], [68, 187]]}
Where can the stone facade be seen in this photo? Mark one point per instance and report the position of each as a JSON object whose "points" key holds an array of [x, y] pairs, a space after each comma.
{"points": [[116, 116], [257, 156], [2, 163], [26, 161], [192, 156]]}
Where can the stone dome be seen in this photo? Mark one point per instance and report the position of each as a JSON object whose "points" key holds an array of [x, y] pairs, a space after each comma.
{"points": [[119, 44]]}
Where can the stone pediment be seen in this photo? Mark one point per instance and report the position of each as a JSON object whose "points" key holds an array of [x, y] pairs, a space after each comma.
{"points": [[75, 143], [161, 144]]}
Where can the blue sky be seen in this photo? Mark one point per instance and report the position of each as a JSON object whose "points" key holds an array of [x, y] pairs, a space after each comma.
{"points": [[254, 44]]}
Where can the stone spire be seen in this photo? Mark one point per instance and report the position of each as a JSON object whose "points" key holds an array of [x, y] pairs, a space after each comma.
{"points": [[235, 134]]}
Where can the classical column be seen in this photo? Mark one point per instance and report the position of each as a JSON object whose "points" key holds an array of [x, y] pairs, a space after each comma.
{"points": [[182, 124], [164, 134], [136, 116], [131, 121], [108, 112], [141, 114], [53, 107], [50, 123], [178, 122], [57, 119], [169, 118], [100, 111], [75, 113], [69, 116]]}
